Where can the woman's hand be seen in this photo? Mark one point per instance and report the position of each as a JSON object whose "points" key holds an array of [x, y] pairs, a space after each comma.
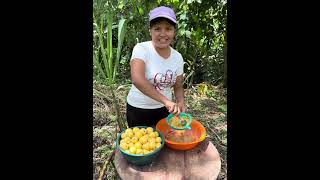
{"points": [[181, 107], [179, 93], [172, 107], [175, 108]]}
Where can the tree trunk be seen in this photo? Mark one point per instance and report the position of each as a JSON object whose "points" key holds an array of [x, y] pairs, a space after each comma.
{"points": [[194, 70]]}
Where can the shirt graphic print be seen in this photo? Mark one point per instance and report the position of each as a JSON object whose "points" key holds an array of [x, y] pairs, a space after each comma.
{"points": [[161, 81]]}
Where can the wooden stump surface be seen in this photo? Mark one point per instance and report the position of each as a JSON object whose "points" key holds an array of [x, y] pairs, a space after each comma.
{"points": [[202, 162]]}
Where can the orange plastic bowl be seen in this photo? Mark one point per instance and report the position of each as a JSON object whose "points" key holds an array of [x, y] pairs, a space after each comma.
{"points": [[197, 128]]}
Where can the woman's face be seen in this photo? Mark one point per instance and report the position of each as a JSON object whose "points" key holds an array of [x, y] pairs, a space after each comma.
{"points": [[162, 34]]}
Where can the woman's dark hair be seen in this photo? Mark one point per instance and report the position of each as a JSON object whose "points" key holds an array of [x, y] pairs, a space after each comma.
{"points": [[159, 19]]}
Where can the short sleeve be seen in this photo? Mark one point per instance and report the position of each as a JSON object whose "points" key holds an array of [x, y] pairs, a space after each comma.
{"points": [[180, 65], [139, 52]]}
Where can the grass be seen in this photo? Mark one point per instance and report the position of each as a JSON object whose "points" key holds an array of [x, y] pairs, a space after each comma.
{"points": [[208, 107]]}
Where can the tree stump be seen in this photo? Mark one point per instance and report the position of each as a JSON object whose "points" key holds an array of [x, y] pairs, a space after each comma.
{"points": [[201, 162]]}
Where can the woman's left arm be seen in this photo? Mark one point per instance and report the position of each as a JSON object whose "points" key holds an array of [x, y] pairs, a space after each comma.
{"points": [[179, 93]]}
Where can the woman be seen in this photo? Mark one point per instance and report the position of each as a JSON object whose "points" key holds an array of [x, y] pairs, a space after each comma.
{"points": [[155, 68]]}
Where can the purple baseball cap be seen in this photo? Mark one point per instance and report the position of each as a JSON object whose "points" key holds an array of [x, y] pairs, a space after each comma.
{"points": [[162, 11]]}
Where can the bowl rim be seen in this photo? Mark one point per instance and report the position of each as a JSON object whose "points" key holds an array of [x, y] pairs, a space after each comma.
{"points": [[141, 155], [189, 143]]}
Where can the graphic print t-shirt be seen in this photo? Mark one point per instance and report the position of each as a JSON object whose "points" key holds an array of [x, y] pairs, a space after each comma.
{"points": [[160, 72]]}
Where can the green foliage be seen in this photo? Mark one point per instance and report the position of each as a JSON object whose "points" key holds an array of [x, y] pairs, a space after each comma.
{"points": [[104, 150], [223, 108], [200, 38], [101, 133], [200, 35], [103, 55]]}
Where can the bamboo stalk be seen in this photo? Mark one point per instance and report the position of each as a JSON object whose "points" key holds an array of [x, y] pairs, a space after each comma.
{"points": [[106, 164], [118, 118]]}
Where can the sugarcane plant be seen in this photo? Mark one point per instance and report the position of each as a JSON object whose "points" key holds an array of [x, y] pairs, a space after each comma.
{"points": [[103, 53]]}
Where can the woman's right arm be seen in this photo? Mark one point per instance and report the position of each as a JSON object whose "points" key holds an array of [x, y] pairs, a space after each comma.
{"points": [[139, 80]]}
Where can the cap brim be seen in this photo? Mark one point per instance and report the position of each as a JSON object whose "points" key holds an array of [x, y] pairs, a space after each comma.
{"points": [[164, 16]]}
